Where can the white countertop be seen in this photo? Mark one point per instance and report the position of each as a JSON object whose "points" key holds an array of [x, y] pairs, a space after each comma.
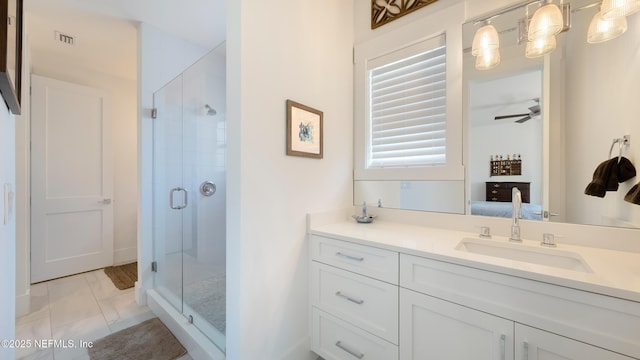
{"points": [[614, 273]]}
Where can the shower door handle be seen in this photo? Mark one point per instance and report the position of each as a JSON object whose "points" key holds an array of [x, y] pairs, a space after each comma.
{"points": [[171, 192], [171, 196], [186, 198]]}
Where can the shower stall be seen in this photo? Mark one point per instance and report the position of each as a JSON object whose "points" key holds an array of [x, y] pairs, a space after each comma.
{"points": [[189, 195]]}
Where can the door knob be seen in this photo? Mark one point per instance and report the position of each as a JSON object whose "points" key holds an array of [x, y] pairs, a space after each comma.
{"points": [[105, 201]]}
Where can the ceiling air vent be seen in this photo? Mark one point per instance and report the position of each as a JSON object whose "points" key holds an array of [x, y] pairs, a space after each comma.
{"points": [[64, 38]]}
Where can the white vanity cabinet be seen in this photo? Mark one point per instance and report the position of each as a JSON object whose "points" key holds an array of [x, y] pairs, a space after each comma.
{"points": [[437, 329], [450, 311], [432, 328], [371, 302], [535, 344], [354, 300]]}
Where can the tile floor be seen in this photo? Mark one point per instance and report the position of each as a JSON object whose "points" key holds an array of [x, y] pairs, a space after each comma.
{"points": [[83, 307]]}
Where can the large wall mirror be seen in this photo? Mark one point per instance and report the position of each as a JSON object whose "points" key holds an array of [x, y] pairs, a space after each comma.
{"points": [[547, 123]]}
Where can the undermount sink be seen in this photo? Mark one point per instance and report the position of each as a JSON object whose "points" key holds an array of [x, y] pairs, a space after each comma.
{"points": [[518, 252]]}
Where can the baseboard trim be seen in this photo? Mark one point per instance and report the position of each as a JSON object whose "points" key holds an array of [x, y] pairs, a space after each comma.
{"points": [[300, 351], [141, 294], [23, 304], [125, 256]]}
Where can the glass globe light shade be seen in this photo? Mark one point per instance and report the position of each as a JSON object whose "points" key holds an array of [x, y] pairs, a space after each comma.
{"points": [[546, 21], [611, 9], [540, 47], [601, 29], [485, 39], [488, 59]]}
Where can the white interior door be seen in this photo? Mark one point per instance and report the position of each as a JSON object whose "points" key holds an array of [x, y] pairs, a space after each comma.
{"points": [[71, 179]]}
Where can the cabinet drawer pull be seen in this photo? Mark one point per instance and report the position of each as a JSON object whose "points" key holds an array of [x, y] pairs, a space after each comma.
{"points": [[526, 350], [503, 344], [494, 191], [340, 294], [350, 257], [496, 185], [345, 348]]}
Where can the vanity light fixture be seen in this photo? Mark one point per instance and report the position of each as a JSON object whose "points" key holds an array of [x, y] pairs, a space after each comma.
{"points": [[485, 39], [540, 47], [601, 29], [546, 21], [618, 8], [488, 59]]}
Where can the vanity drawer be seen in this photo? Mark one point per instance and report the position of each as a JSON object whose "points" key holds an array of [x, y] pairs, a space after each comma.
{"points": [[367, 303], [334, 339], [369, 261]]}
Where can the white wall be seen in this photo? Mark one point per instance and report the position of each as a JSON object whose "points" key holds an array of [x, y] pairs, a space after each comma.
{"points": [[279, 50], [7, 232], [601, 104], [161, 57], [476, 8], [23, 191]]}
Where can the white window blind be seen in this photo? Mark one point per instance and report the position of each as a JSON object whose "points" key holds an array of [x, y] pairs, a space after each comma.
{"points": [[408, 109]]}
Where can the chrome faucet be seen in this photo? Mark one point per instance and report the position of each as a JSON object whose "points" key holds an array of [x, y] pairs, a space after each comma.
{"points": [[516, 203]]}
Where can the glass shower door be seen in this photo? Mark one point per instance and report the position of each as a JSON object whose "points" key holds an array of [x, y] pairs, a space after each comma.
{"points": [[189, 190], [204, 240], [167, 181]]}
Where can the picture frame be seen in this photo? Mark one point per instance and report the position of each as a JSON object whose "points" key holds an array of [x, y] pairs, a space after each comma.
{"points": [[385, 11], [304, 131], [11, 53]]}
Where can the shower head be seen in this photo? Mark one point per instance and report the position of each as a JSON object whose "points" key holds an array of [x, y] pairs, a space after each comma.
{"points": [[210, 111]]}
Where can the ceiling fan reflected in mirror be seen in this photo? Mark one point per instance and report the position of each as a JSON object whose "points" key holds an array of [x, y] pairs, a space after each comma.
{"points": [[533, 112]]}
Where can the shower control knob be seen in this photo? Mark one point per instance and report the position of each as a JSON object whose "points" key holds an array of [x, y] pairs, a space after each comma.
{"points": [[208, 188]]}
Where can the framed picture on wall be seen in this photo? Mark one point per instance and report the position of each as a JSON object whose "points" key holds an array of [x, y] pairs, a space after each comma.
{"points": [[11, 53], [304, 130]]}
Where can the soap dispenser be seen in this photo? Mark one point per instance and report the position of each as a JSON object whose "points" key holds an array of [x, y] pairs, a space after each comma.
{"points": [[364, 218]]}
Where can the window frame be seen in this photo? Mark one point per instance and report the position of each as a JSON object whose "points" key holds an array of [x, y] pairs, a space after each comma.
{"points": [[387, 44]]}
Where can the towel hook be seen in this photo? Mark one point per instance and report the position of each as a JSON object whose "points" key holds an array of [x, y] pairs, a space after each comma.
{"points": [[626, 140]]}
